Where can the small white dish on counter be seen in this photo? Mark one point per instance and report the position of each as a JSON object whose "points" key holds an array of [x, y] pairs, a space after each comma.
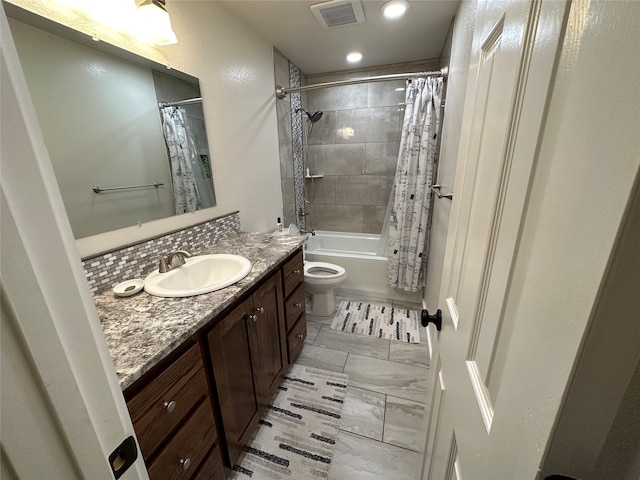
{"points": [[129, 287]]}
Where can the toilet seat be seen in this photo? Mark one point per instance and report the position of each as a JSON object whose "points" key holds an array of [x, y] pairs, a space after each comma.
{"points": [[322, 272]]}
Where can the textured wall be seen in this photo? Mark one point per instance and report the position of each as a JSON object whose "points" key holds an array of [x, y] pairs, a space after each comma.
{"points": [[457, 54]]}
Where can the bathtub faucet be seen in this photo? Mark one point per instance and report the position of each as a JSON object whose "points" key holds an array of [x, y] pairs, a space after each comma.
{"points": [[303, 231]]}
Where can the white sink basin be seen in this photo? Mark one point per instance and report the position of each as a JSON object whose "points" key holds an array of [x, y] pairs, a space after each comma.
{"points": [[200, 274]]}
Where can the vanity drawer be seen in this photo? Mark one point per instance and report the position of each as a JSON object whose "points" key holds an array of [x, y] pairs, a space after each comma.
{"points": [[212, 468], [294, 306], [182, 455], [161, 405], [295, 339], [293, 273]]}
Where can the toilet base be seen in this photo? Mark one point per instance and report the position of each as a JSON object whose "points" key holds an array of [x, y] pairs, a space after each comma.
{"points": [[323, 304]]}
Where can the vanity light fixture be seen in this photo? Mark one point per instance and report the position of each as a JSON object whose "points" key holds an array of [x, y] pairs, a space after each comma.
{"points": [[395, 9], [155, 22], [354, 57]]}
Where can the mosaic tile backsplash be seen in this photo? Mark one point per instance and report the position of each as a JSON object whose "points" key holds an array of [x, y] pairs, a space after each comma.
{"points": [[105, 271]]}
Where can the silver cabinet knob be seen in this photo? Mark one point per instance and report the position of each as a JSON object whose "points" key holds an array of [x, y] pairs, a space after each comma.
{"points": [[260, 309], [253, 317], [186, 463], [297, 271], [297, 305], [170, 406], [300, 335]]}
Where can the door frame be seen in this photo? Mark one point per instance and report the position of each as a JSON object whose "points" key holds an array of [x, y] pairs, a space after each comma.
{"points": [[48, 305]]}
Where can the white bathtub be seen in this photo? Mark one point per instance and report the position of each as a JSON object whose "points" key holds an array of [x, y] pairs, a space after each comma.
{"points": [[357, 253]]}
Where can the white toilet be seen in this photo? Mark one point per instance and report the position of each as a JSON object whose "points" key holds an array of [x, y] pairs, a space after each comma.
{"points": [[320, 281]]}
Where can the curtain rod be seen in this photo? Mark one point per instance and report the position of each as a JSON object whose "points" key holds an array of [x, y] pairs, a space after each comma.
{"points": [[282, 92], [189, 101]]}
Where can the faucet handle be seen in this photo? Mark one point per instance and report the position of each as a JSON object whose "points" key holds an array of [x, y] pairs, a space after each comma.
{"points": [[162, 264]]}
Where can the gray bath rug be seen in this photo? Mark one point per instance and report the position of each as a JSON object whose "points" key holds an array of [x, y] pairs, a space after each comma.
{"points": [[297, 435], [378, 320]]}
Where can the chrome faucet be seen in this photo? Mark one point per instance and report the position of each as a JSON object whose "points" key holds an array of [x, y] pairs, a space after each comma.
{"points": [[303, 231], [181, 255], [173, 260]]}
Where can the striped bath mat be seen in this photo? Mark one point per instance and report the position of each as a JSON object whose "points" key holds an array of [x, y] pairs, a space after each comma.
{"points": [[378, 320], [297, 435]]}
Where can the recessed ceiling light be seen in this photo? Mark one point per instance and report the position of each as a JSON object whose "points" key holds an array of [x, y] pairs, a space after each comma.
{"points": [[395, 9], [354, 57]]}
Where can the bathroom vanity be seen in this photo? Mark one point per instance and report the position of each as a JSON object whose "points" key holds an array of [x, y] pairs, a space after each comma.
{"points": [[198, 372]]}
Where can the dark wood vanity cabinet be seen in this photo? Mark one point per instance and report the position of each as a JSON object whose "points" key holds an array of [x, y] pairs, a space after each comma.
{"points": [[173, 419], [248, 355], [193, 417], [294, 305]]}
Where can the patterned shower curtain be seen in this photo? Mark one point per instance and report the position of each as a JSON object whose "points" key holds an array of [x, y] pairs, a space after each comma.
{"points": [[183, 157], [409, 204]]}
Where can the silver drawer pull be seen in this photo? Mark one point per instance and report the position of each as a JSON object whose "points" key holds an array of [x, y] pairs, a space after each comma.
{"points": [[253, 317], [300, 335], [297, 271], [297, 305], [170, 406], [260, 309], [186, 463]]}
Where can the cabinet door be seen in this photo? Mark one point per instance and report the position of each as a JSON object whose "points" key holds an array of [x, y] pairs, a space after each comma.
{"points": [[268, 317], [230, 344]]}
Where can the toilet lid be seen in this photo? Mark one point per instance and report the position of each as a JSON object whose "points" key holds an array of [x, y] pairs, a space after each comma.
{"points": [[323, 270]]}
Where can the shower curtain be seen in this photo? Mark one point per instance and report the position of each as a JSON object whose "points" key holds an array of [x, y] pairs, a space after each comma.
{"points": [[410, 200], [183, 158]]}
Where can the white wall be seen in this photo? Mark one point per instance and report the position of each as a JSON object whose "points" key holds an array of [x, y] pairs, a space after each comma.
{"points": [[235, 68], [451, 139]]}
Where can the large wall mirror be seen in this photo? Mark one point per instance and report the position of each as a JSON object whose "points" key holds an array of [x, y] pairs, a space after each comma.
{"points": [[105, 130]]}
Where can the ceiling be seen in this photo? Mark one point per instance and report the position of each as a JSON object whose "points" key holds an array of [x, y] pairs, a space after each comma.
{"points": [[291, 27]]}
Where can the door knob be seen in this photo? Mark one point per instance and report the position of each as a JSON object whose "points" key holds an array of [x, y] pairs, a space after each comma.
{"points": [[435, 319]]}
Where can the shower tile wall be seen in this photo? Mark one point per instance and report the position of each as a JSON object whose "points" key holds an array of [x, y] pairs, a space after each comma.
{"points": [[290, 140], [355, 147]]}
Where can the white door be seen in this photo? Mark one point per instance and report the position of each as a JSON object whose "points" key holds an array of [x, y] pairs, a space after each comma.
{"points": [[62, 409], [515, 48]]}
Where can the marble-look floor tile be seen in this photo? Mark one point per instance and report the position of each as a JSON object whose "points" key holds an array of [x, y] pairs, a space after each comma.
{"points": [[403, 422], [324, 358], [390, 378], [359, 298], [407, 304], [360, 458], [423, 335], [322, 320], [363, 413], [312, 330], [410, 353], [352, 343]]}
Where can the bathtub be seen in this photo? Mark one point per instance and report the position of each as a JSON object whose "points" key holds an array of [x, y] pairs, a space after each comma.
{"points": [[357, 253]]}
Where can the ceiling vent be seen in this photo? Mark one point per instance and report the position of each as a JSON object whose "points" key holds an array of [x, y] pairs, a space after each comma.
{"points": [[338, 13]]}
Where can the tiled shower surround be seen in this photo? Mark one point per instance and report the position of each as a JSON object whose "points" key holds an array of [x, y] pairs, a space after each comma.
{"points": [[354, 147], [107, 270]]}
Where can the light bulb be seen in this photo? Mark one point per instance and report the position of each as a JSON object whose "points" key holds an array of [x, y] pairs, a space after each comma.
{"points": [[354, 57], [395, 9]]}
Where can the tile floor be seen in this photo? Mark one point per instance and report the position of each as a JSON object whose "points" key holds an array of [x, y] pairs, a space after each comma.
{"points": [[381, 435]]}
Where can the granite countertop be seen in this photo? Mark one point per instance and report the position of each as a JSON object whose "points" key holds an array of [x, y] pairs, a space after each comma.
{"points": [[142, 329]]}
